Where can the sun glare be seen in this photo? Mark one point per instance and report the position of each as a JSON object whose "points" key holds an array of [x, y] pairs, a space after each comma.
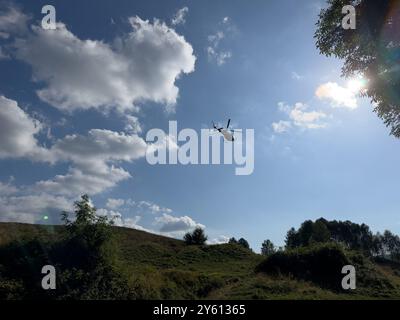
{"points": [[355, 85]]}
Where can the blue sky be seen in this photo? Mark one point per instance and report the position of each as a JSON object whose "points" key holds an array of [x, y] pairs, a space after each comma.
{"points": [[76, 104]]}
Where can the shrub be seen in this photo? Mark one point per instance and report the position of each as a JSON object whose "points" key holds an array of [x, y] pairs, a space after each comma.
{"points": [[243, 242], [320, 263], [197, 237]]}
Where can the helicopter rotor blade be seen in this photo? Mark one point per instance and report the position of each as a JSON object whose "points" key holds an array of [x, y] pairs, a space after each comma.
{"points": [[229, 121]]}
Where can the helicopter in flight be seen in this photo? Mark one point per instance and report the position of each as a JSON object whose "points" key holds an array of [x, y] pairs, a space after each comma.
{"points": [[227, 133]]}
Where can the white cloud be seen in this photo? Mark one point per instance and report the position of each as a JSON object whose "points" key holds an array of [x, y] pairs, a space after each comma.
{"points": [[139, 66], [114, 203], [7, 189], [17, 131], [99, 146], [92, 156], [120, 221], [180, 16], [298, 116], [152, 207], [176, 224], [12, 21], [337, 95], [80, 74], [219, 240], [168, 142], [281, 126], [306, 119], [220, 57], [76, 181], [32, 208], [132, 124], [214, 51]]}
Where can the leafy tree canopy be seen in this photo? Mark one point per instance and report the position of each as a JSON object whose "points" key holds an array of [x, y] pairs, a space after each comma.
{"points": [[372, 50]]}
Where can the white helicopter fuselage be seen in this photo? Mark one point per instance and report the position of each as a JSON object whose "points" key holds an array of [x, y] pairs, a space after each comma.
{"points": [[227, 134]]}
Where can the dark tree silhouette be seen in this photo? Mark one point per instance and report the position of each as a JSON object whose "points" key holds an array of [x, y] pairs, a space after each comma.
{"points": [[197, 237], [267, 248], [232, 240], [243, 242]]}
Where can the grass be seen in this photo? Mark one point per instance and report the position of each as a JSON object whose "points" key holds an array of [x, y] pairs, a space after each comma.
{"points": [[165, 268]]}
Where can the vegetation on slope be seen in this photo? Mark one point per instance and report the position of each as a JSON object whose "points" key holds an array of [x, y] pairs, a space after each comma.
{"points": [[95, 260]]}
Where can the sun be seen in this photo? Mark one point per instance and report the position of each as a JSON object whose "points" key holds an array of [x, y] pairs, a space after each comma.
{"points": [[355, 85]]}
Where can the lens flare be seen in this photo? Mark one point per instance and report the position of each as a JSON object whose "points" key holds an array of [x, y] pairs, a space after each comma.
{"points": [[356, 85]]}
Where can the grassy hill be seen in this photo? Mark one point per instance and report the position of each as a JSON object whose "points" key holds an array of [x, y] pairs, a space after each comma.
{"points": [[165, 268]]}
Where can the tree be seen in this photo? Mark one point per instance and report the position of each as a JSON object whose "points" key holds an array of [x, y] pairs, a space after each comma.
{"points": [[267, 248], [89, 236], [351, 235], [391, 245], [292, 239], [232, 240], [370, 50], [197, 237], [243, 242], [88, 257], [320, 232]]}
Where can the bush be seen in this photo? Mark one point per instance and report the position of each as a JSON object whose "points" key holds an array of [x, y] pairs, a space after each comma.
{"points": [[243, 242], [197, 237], [320, 263]]}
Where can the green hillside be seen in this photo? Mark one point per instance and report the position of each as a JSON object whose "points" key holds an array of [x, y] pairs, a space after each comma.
{"points": [[163, 268]]}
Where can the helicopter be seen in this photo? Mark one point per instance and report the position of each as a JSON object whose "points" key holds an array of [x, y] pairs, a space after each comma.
{"points": [[227, 133]]}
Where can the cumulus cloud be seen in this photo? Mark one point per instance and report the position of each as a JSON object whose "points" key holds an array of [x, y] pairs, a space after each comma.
{"points": [[306, 119], [299, 116], [93, 156], [170, 223], [120, 221], [7, 189], [12, 21], [168, 142], [338, 96], [281, 126], [32, 208], [161, 220], [75, 73], [139, 66], [142, 207], [114, 203], [17, 131], [99, 146], [180, 16], [132, 124], [152, 207], [77, 181], [219, 240]]}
